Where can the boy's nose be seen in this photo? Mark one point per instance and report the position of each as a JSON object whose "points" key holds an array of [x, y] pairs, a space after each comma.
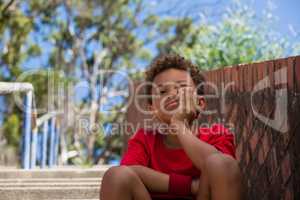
{"points": [[174, 91]]}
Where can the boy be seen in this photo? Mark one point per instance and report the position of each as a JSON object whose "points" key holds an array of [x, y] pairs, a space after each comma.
{"points": [[182, 161]]}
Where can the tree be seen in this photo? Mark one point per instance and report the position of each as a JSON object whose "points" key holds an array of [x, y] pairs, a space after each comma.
{"points": [[76, 39], [236, 39]]}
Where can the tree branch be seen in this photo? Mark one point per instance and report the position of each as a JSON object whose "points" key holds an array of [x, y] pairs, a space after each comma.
{"points": [[7, 7]]}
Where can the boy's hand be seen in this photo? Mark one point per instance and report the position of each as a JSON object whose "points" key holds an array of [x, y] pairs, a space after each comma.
{"points": [[187, 109], [195, 186]]}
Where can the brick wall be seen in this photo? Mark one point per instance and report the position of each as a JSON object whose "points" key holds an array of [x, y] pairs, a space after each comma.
{"points": [[268, 149]]}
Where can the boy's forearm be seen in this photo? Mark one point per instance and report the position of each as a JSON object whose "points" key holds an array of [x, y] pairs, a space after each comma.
{"points": [[159, 182], [154, 181], [196, 150]]}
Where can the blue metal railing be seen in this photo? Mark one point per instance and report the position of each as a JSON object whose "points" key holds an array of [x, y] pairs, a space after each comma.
{"points": [[46, 131], [33, 129], [27, 131]]}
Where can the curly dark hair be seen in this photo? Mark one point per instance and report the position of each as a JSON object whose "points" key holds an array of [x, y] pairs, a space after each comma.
{"points": [[175, 61]]}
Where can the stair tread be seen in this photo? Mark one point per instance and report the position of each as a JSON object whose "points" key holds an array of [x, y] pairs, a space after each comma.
{"points": [[59, 184], [50, 180]]}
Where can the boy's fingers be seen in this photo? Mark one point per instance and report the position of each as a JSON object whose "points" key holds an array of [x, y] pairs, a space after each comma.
{"points": [[184, 101], [187, 101], [194, 101], [181, 101]]}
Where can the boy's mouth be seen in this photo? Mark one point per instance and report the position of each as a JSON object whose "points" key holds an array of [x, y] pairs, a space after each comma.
{"points": [[171, 103]]}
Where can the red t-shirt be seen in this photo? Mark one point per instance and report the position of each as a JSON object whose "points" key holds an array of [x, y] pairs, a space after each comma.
{"points": [[146, 148]]}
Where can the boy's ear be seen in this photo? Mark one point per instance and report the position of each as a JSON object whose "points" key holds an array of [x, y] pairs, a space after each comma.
{"points": [[202, 103]]}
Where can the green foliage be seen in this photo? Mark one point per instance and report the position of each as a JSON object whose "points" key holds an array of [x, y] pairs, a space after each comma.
{"points": [[68, 38], [234, 40], [12, 131]]}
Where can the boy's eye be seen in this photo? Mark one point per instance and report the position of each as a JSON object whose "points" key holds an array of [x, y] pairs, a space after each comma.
{"points": [[183, 85], [162, 92]]}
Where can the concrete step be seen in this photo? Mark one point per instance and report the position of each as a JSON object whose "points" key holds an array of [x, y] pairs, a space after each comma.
{"points": [[53, 173], [39, 193], [45, 180], [59, 183], [51, 184]]}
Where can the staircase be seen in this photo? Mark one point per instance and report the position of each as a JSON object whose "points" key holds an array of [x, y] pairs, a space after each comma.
{"points": [[57, 183]]}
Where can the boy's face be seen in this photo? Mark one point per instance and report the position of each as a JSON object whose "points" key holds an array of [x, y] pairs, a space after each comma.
{"points": [[165, 98]]}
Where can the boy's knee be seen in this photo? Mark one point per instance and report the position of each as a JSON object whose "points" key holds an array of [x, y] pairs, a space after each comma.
{"points": [[119, 175], [223, 165]]}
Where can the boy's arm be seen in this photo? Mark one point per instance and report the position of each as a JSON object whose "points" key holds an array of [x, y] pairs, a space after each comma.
{"points": [[198, 150], [154, 181], [163, 183], [137, 158]]}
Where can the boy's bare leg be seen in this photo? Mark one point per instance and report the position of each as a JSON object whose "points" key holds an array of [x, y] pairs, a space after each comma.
{"points": [[221, 179], [204, 188], [122, 183]]}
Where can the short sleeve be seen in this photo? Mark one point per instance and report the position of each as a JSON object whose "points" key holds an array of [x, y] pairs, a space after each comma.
{"points": [[222, 139], [137, 152]]}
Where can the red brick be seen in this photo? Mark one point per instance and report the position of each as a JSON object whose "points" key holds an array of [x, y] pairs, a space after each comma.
{"points": [[221, 74], [231, 79], [264, 71], [245, 80], [288, 194], [247, 156], [239, 151], [253, 141], [286, 168], [226, 74], [249, 122], [241, 76], [297, 74], [286, 137], [273, 163], [260, 68], [238, 76], [282, 64], [290, 73], [212, 81], [265, 144], [261, 157], [218, 79], [271, 70], [257, 74], [245, 133], [250, 75], [276, 68], [254, 75], [235, 79], [209, 79], [226, 79]]}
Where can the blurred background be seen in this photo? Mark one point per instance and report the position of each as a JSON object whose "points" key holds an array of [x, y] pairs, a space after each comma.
{"points": [[60, 46]]}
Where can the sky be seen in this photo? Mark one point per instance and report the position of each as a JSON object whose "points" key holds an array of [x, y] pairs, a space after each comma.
{"points": [[286, 11]]}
